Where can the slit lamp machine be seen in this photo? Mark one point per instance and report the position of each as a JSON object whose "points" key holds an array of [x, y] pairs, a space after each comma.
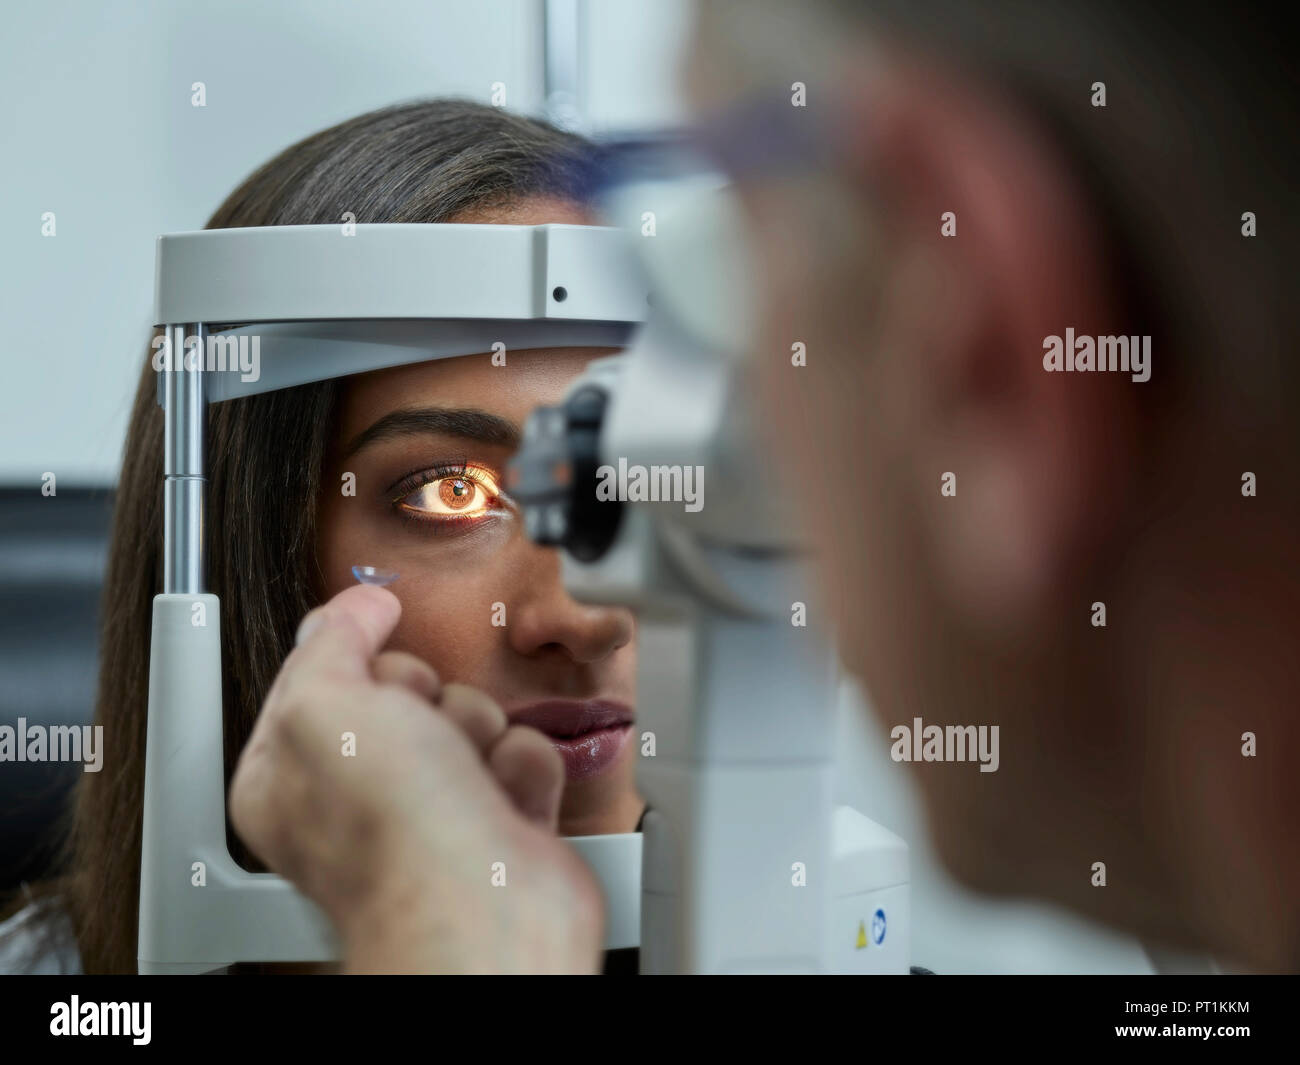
{"points": [[745, 863]]}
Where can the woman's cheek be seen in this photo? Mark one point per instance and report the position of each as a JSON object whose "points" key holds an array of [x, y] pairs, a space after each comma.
{"points": [[447, 620], [454, 586]]}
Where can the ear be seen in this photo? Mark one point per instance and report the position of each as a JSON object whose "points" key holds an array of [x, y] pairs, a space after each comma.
{"points": [[1040, 458]]}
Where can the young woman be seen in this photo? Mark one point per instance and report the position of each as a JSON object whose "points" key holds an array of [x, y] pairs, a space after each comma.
{"points": [[427, 446]]}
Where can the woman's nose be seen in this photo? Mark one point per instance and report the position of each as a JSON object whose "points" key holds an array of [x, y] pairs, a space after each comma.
{"points": [[546, 616]]}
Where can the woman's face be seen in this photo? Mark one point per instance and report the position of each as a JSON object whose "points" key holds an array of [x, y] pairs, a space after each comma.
{"points": [[427, 447]]}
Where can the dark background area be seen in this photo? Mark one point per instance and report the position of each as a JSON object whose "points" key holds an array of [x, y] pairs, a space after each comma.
{"points": [[52, 552]]}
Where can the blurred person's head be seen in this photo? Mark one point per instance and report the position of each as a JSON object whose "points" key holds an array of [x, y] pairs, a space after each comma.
{"points": [[974, 200]]}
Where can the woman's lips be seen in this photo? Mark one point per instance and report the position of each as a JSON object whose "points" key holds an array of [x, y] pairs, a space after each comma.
{"points": [[589, 735]]}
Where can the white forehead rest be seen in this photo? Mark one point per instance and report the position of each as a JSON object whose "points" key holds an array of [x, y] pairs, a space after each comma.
{"points": [[294, 273], [318, 302]]}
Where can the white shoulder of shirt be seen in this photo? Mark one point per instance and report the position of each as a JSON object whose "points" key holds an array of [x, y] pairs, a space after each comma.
{"points": [[28, 946]]}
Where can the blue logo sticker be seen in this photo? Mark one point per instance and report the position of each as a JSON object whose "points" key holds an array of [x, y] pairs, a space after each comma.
{"points": [[878, 927]]}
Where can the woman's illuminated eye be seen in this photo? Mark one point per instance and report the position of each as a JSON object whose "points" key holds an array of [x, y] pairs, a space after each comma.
{"points": [[467, 493]]}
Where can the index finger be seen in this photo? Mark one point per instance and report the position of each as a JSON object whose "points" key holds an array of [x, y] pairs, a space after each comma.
{"points": [[347, 632]]}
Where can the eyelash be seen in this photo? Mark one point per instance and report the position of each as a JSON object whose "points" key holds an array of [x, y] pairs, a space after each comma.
{"points": [[413, 482]]}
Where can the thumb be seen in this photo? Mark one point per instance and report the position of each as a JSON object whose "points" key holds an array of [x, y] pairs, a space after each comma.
{"points": [[348, 631]]}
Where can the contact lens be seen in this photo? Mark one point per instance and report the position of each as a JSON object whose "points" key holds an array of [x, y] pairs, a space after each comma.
{"points": [[370, 575]]}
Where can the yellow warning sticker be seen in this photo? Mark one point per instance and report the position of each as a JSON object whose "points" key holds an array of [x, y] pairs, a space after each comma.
{"points": [[862, 935]]}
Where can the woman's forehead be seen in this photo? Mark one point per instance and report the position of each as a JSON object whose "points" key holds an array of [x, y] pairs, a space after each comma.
{"points": [[527, 379]]}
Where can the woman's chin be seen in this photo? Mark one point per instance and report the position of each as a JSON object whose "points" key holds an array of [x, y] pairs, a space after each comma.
{"points": [[591, 810]]}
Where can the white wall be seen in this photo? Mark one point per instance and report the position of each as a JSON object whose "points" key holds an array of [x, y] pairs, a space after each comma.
{"points": [[631, 50], [100, 130]]}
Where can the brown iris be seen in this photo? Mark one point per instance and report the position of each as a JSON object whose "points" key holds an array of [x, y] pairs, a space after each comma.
{"points": [[456, 492]]}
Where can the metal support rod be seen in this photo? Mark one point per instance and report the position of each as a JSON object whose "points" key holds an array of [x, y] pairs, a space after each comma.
{"points": [[184, 418], [562, 63]]}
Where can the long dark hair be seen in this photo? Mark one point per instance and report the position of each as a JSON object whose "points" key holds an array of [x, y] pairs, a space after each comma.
{"points": [[427, 161]]}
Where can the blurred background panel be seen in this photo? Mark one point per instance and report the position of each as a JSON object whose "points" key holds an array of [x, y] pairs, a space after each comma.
{"points": [[51, 567], [100, 130]]}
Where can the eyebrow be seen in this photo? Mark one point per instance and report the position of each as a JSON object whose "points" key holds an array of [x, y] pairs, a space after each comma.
{"points": [[466, 423]]}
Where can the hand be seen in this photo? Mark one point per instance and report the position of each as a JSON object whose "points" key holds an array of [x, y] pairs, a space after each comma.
{"points": [[400, 833]]}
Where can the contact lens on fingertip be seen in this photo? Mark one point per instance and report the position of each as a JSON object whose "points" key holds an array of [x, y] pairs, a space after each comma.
{"points": [[370, 575]]}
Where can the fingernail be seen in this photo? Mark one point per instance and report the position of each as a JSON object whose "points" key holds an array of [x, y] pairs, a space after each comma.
{"points": [[370, 575], [310, 624]]}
